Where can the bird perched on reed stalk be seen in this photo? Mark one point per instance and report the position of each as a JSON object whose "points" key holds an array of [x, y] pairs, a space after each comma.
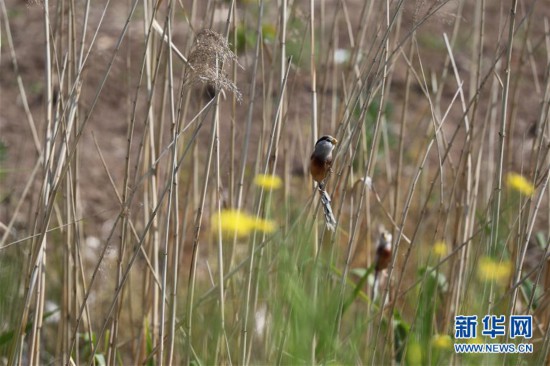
{"points": [[320, 168], [382, 259]]}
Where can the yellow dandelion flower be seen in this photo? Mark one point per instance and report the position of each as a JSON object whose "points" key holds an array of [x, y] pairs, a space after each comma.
{"points": [[441, 341], [414, 353], [489, 269], [233, 222], [266, 226], [268, 181], [518, 183], [236, 222], [269, 31], [440, 248]]}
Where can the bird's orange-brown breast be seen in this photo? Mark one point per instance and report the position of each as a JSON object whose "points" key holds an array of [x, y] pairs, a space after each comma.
{"points": [[383, 257], [319, 169]]}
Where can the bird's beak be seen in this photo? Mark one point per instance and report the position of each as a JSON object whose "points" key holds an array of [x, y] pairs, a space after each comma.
{"points": [[334, 141]]}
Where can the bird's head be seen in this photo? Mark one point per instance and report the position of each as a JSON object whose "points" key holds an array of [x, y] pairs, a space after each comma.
{"points": [[325, 145], [385, 239], [327, 139]]}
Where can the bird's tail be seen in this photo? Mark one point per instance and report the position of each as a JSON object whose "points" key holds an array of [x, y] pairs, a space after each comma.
{"points": [[329, 216], [375, 286]]}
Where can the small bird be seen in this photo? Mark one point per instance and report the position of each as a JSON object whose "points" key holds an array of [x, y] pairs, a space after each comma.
{"points": [[320, 168], [382, 259]]}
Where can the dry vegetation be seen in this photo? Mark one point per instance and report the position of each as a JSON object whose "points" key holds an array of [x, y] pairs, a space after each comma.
{"points": [[155, 201]]}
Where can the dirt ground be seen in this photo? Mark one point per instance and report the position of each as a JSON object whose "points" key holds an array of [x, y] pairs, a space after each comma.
{"points": [[108, 120]]}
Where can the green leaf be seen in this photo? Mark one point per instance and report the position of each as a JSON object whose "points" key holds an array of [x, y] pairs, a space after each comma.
{"points": [[401, 333], [100, 359], [8, 335], [357, 290], [527, 287], [541, 240]]}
